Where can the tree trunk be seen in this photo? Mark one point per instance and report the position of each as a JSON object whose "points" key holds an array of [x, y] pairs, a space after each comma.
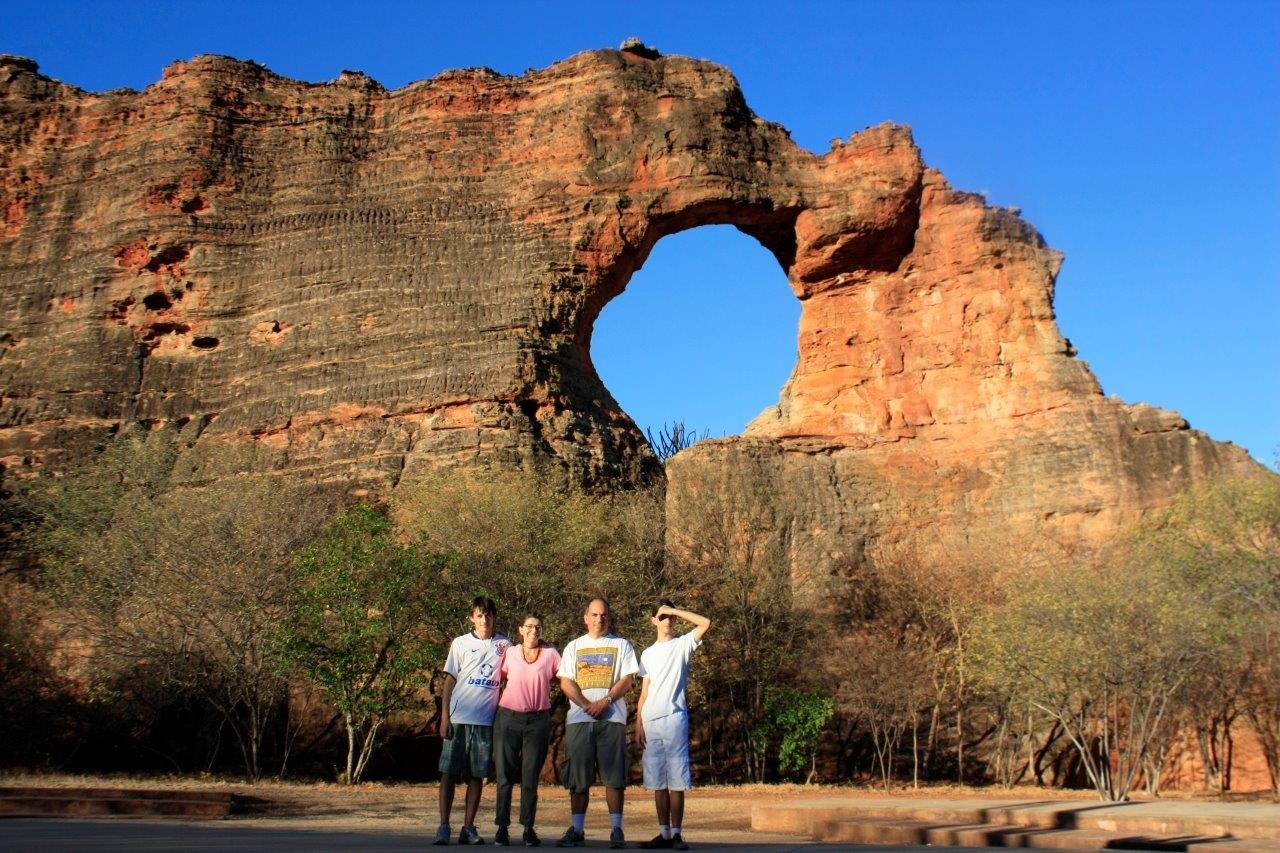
{"points": [[351, 749]]}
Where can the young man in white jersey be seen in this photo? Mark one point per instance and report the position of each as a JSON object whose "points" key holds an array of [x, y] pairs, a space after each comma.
{"points": [[473, 672], [596, 672], [662, 721]]}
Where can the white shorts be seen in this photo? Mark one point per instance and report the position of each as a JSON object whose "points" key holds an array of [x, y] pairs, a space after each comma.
{"points": [[666, 754]]}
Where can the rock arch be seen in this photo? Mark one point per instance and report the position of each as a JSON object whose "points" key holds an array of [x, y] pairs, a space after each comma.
{"points": [[704, 333], [407, 279]]}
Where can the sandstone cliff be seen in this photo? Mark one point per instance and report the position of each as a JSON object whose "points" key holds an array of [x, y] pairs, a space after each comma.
{"points": [[341, 282]]}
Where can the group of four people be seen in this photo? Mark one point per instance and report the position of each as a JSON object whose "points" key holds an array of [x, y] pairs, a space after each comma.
{"points": [[497, 706]]}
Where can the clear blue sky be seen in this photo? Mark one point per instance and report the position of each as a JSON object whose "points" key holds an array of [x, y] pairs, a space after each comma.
{"points": [[1142, 139]]}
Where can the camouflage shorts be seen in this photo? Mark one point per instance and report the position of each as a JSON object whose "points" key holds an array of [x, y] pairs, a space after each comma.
{"points": [[470, 748]]}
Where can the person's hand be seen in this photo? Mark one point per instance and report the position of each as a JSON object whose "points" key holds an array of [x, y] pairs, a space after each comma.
{"points": [[639, 733], [599, 708], [446, 727], [664, 610]]}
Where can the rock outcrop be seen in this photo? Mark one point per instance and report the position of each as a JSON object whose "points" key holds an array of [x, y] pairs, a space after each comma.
{"points": [[346, 283]]}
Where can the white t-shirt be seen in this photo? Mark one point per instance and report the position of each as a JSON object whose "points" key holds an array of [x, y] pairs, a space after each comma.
{"points": [[597, 665], [666, 666], [477, 666]]}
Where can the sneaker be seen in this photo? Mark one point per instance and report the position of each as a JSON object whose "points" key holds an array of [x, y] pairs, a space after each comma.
{"points": [[468, 835], [531, 838], [656, 843], [501, 838], [678, 842], [572, 838], [616, 840], [442, 835]]}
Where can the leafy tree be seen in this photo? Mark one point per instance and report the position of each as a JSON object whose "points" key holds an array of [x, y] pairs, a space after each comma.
{"points": [[533, 541], [728, 561], [881, 676], [928, 593], [1104, 650], [42, 716], [794, 720], [364, 627], [187, 585], [1221, 540]]}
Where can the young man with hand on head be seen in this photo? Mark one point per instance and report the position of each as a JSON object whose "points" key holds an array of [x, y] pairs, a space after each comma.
{"points": [[472, 676], [662, 724], [596, 671]]}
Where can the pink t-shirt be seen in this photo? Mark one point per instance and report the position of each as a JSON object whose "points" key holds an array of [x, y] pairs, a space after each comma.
{"points": [[528, 684]]}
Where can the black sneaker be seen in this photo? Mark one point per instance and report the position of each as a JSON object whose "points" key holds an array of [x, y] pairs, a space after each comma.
{"points": [[501, 838], [678, 842], [531, 838], [468, 835], [616, 839], [572, 838], [656, 843], [442, 836]]}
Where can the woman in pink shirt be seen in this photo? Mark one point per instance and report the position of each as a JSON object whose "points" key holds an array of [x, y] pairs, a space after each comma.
{"points": [[522, 728]]}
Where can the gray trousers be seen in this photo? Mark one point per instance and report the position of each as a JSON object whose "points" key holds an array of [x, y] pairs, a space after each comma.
{"points": [[519, 750]]}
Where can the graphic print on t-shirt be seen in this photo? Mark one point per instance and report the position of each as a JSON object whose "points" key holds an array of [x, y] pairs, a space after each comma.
{"points": [[484, 676], [595, 667]]}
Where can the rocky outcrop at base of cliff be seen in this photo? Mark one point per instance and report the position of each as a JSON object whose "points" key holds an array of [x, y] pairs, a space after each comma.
{"points": [[345, 283]]}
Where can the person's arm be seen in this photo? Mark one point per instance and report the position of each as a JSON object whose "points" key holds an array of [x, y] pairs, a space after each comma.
{"points": [[446, 728], [644, 694], [553, 679], [568, 684], [701, 624], [571, 689]]}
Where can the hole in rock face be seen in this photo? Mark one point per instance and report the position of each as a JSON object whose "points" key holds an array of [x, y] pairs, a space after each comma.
{"points": [[205, 342], [158, 301], [704, 333], [158, 330], [167, 257]]}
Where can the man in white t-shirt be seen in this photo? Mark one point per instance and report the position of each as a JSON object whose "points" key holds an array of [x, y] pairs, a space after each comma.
{"points": [[472, 674], [596, 671], [662, 724]]}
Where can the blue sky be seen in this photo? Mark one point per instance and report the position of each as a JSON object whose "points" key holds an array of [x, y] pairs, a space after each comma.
{"points": [[1142, 139]]}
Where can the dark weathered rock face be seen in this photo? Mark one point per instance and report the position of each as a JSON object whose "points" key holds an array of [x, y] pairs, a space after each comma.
{"points": [[340, 282]]}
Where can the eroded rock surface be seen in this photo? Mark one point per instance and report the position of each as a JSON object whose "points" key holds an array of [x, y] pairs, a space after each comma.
{"points": [[342, 282]]}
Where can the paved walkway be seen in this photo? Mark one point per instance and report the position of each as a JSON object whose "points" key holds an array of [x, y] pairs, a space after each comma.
{"points": [[46, 834], [1208, 817], [403, 817]]}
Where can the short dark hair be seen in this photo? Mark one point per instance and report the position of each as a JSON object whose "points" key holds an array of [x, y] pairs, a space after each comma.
{"points": [[485, 603], [664, 602]]}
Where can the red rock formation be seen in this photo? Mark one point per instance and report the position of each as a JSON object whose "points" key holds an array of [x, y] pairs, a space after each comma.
{"points": [[342, 282]]}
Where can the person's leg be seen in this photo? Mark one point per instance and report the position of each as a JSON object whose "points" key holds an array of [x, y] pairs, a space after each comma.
{"points": [[676, 810], [611, 755], [536, 736], [680, 774], [479, 759], [453, 764], [662, 804], [474, 788], [506, 755], [655, 779], [446, 797], [611, 758], [580, 745]]}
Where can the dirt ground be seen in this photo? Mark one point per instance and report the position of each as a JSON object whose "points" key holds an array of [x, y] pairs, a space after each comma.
{"points": [[411, 808]]}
